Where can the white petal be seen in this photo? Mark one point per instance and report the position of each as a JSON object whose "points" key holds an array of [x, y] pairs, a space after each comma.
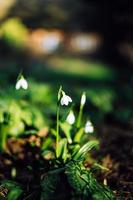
{"points": [[66, 103], [89, 127], [69, 98], [63, 102], [88, 123], [65, 99], [18, 85], [24, 84]]}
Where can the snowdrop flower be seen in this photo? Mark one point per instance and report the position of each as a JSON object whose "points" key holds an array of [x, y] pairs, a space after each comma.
{"points": [[70, 118], [83, 99], [65, 99], [21, 83], [89, 127]]}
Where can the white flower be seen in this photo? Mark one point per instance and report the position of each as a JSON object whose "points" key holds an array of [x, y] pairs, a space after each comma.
{"points": [[89, 127], [70, 118], [21, 83], [65, 99], [83, 99]]}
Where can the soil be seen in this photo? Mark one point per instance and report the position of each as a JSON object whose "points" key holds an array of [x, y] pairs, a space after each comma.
{"points": [[116, 153]]}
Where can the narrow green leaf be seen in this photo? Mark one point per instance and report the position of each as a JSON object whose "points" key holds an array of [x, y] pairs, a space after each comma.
{"points": [[79, 135], [59, 93], [46, 144], [66, 128], [15, 190], [63, 149], [14, 194], [85, 148]]}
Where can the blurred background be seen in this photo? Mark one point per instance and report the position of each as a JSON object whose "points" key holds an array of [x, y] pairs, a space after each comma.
{"points": [[79, 44]]}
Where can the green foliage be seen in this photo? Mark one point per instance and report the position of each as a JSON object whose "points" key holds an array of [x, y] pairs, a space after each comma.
{"points": [[49, 185], [40, 94], [4, 127], [66, 148], [14, 190], [102, 98], [14, 32], [84, 183], [84, 149], [66, 128], [79, 178], [79, 67], [79, 135], [24, 116], [63, 151], [73, 172]]}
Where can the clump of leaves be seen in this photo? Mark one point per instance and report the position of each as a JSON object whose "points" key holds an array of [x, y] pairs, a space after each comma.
{"points": [[80, 181], [84, 183]]}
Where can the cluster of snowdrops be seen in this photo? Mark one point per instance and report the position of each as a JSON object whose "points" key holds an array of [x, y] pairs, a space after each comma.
{"points": [[70, 146], [64, 100]]}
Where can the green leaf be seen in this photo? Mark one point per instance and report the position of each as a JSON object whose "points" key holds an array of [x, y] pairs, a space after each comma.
{"points": [[48, 186], [59, 93], [73, 172], [85, 148], [97, 167], [14, 189], [63, 149], [75, 148], [84, 183], [66, 128], [79, 135], [46, 143], [99, 192]]}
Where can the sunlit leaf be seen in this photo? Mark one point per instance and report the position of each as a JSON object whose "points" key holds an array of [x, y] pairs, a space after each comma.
{"points": [[14, 189], [66, 128], [63, 149], [78, 135], [85, 148]]}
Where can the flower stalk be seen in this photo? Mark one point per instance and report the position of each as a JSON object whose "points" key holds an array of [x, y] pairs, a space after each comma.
{"points": [[82, 103], [63, 99], [57, 130], [4, 131]]}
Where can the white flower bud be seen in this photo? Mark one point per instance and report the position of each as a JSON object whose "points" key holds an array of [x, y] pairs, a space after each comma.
{"points": [[83, 99], [71, 118]]}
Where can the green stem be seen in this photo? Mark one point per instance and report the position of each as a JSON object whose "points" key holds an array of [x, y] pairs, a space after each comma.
{"points": [[80, 116], [3, 136], [4, 126], [57, 131]]}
